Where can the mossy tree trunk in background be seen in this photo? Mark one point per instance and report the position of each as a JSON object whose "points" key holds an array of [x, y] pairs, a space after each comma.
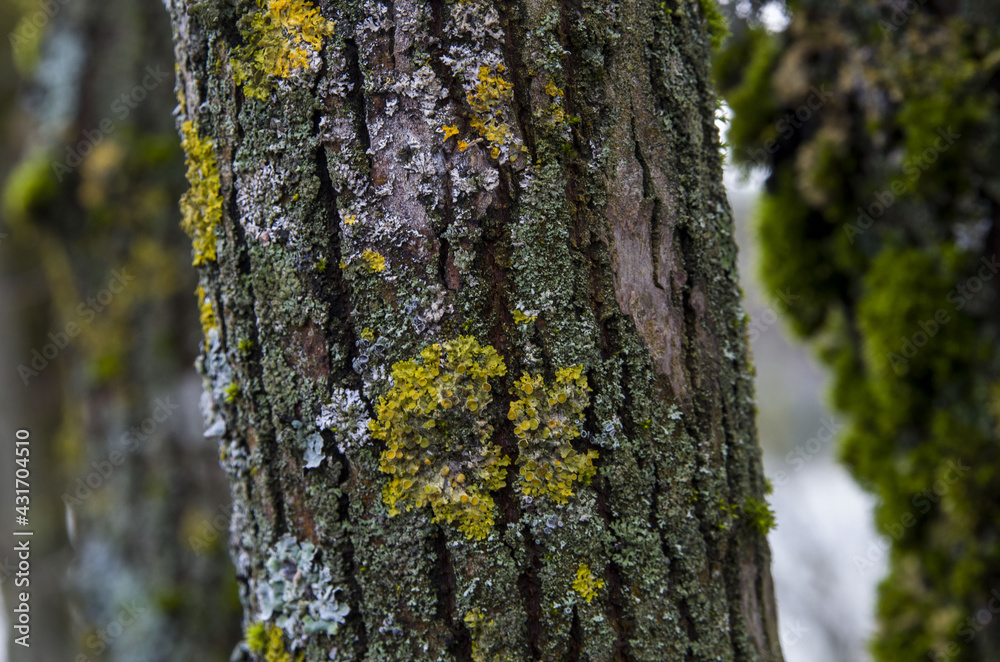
{"points": [[880, 125], [91, 211], [474, 346]]}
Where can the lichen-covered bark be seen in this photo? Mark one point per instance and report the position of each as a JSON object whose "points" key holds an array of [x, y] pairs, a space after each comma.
{"points": [[410, 190]]}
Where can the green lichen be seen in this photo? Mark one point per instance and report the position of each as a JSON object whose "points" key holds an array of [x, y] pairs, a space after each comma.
{"points": [[438, 440], [281, 37], [201, 205], [546, 421]]}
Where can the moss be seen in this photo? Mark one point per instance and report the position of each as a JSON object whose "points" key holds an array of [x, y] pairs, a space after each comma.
{"points": [[282, 37], [718, 27], [759, 515], [794, 260], [29, 186], [869, 219], [201, 206], [744, 73], [585, 584]]}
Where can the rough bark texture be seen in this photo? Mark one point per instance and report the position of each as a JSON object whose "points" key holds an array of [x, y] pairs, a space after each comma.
{"points": [[545, 178], [114, 457]]}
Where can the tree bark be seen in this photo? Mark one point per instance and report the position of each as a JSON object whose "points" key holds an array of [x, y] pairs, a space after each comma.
{"points": [[497, 219]]}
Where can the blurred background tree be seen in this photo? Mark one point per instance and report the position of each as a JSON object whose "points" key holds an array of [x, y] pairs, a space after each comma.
{"points": [[128, 500], [877, 124]]}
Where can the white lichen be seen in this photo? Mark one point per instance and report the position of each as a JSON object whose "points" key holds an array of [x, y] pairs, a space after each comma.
{"points": [[347, 417], [299, 595]]}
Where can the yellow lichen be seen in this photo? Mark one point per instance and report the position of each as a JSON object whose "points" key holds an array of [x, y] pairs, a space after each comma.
{"points": [[201, 205], [474, 623], [449, 131], [281, 40], [267, 640], [488, 99], [256, 637], [586, 584], [546, 420], [373, 260], [521, 318], [555, 108], [207, 310], [438, 447], [350, 219]]}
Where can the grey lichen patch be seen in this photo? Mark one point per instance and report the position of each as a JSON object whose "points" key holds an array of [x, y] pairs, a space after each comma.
{"points": [[298, 593], [347, 417]]}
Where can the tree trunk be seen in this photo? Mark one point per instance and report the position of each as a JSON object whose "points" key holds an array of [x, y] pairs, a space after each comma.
{"points": [[474, 347]]}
